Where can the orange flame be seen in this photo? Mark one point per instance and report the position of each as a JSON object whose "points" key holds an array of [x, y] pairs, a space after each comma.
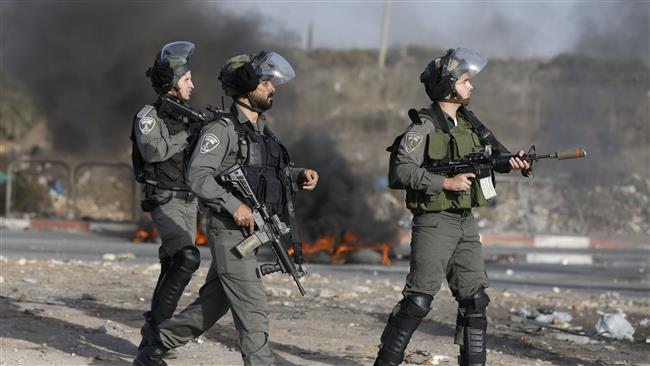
{"points": [[349, 243], [143, 234], [201, 239]]}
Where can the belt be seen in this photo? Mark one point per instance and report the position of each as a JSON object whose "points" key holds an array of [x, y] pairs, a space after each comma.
{"points": [[184, 195], [462, 212]]}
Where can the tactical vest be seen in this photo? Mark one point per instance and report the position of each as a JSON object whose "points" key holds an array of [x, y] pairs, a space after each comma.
{"points": [[443, 145], [264, 159], [168, 174]]}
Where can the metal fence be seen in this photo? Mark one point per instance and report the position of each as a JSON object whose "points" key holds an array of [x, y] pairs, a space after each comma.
{"points": [[52, 189]]}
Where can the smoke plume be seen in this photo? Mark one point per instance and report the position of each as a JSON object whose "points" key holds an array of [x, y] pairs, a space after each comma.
{"points": [[83, 63], [339, 202]]}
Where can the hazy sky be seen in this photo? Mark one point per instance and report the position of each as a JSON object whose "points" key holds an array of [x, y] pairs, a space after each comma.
{"points": [[496, 28]]}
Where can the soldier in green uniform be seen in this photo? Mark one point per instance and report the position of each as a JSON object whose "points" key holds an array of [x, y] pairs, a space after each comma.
{"points": [[240, 137], [445, 238], [160, 144]]}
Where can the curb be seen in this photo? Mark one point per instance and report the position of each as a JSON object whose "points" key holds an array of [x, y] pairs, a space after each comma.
{"points": [[66, 225], [538, 241], [553, 241]]}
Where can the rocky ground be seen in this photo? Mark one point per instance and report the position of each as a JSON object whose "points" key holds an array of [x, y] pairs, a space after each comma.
{"points": [[88, 313]]}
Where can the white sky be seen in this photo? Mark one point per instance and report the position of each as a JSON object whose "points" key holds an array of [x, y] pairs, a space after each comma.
{"points": [[495, 28]]}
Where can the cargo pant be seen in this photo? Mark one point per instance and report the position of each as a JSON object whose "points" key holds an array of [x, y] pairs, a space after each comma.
{"points": [[176, 225], [231, 283], [446, 245]]}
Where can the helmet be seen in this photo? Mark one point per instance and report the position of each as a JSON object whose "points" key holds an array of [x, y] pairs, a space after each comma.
{"points": [[172, 61], [241, 74], [441, 73]]}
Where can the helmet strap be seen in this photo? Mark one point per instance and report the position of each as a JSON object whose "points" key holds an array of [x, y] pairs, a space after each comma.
{"points": [[250, 107], [463, 102]]}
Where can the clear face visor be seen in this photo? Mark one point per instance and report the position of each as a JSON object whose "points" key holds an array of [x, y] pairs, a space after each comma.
{"points": [[463, 61], [177, 53], [273, 67]]}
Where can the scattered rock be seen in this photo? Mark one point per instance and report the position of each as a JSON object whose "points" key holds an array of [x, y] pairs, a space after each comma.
{"points": [[112, 328], [278, 292], [440, 359], [125, 256], [88, 297], [419, 357], [109, 257], [578, 339]]}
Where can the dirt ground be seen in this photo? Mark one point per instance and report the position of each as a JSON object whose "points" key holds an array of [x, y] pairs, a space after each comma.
{"points": [[89, 313]]}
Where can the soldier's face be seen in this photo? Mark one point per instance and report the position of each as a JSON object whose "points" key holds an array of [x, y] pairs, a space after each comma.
{"points": [[464, 87], [262, 96], [185, 87]]}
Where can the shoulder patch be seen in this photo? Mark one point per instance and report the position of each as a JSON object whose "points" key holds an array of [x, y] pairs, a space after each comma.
{"points": [[209, 142], [146, 125], [145, 110], [411, 141]]}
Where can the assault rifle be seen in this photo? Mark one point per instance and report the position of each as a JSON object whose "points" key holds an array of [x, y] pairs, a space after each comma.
{"points": [[170, 105], [270, 229], [482, 163]]}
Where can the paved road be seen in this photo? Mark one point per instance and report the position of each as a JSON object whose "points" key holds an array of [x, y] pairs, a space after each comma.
{"points": [[624, 271]]}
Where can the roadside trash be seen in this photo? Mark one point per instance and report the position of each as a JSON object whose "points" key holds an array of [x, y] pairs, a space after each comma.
{"points": [[610, 295], [439, 359], [109, 257], [523, 311], [556, 317], [615, 326]]}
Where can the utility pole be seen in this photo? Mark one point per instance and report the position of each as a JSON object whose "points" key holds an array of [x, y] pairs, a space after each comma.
{"points": [[383, 47]]}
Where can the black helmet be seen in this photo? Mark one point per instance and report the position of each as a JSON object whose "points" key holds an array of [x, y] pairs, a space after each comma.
{"points": [[441, 73], [172, 61], [241, 74]]}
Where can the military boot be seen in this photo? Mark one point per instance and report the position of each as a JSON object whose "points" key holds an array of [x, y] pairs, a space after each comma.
{"points": [[151, 355]]}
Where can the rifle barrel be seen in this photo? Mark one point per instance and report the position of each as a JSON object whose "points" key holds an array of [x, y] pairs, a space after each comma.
{"points": [[578, 152]]}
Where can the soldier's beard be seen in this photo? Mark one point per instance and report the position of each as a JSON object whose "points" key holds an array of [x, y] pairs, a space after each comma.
{"points": [[261, 102]]}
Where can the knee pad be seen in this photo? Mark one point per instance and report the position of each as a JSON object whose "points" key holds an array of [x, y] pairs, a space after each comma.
{"points": [[170, 288], [471, 325], [187, 259], [403, 321]]}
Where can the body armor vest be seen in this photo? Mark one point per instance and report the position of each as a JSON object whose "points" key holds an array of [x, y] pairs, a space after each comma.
{"points": [[169, 174], [444, 145], [264, 159]]}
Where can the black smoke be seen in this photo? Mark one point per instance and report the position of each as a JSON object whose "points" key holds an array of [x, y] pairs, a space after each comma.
{"points": [[83, 63], [339, 203], [615, 31]]}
